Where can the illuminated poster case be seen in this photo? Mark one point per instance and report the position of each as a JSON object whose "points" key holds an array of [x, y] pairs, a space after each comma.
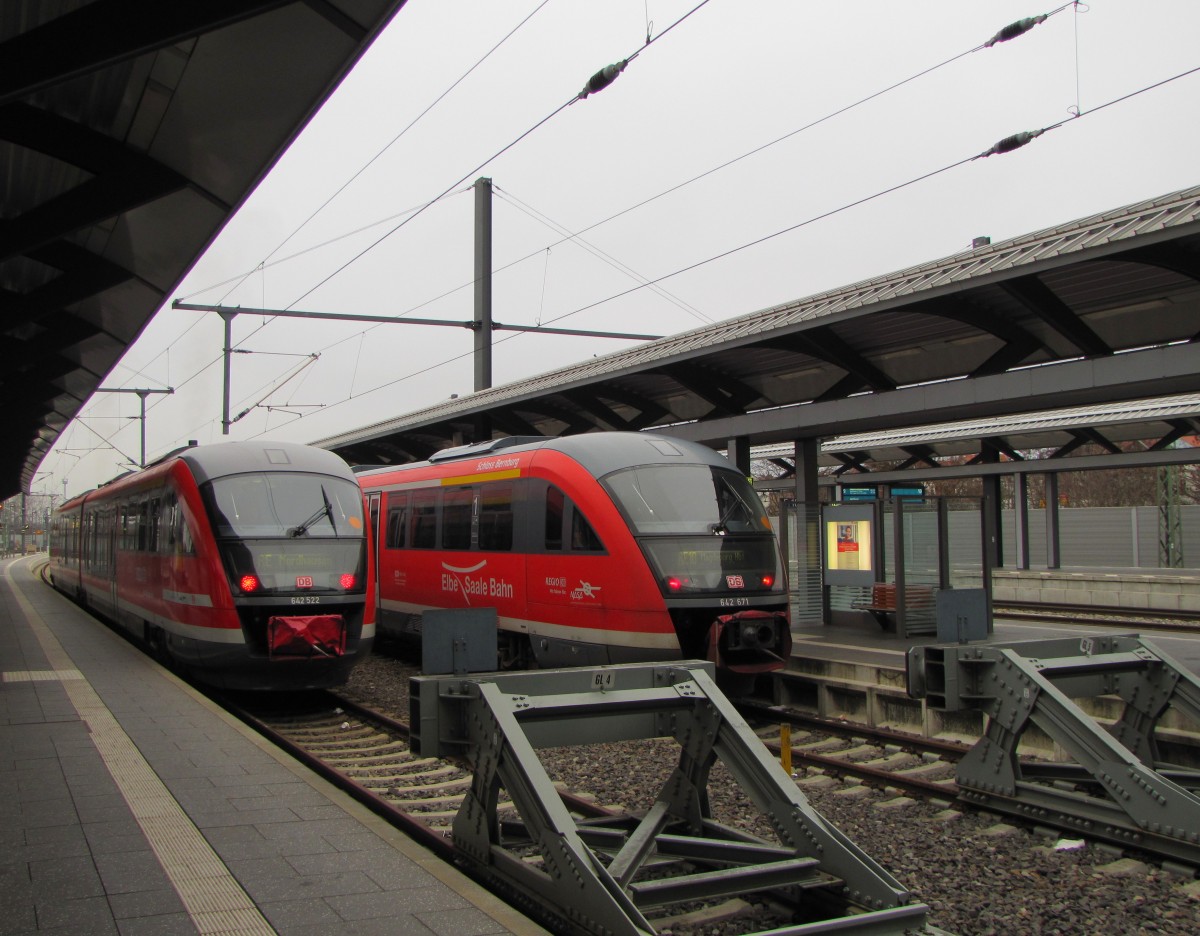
{"points": [[848, 543]]}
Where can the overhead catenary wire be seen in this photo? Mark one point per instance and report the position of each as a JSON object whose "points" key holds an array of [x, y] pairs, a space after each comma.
{"points": [[601, 83], [571, 313], [595, 251], [765, 146], [594, 84], [1005, 34], [649, 40], [412, 123], [765, 238], [606, 75]]}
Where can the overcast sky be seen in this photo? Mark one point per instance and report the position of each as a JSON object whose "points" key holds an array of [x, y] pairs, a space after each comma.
{"points": [[729, 79]]}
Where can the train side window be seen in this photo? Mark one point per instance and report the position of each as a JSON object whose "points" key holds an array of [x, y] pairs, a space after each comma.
{"points": [[187, 543], [167, 524], [555, 506], [456, 518], [128, 534], [583, 537], [394, 534], [153, 524], [143, 533], [496, 517], [422, 522]]}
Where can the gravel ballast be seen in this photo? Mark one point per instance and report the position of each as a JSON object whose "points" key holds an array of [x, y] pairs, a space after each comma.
{"points": [[978, 875]]}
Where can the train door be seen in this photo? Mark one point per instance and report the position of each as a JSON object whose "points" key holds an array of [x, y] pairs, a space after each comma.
{"points": [[373, 514]]}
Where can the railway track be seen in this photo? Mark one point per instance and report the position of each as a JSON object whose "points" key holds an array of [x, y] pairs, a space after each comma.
{"points": [[1126, 618], [366, 753], [923, 767]]}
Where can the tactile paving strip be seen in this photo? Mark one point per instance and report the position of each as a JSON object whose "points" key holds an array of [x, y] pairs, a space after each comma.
{"points": [[214, 899]]}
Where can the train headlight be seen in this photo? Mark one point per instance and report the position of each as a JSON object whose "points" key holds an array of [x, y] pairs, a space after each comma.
{"points": [[348, 580], [248, 583]]}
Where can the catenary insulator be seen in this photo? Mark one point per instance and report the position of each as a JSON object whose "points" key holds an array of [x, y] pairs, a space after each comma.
{"points": [[603, 78], [1012, 30], [1010, 143]]}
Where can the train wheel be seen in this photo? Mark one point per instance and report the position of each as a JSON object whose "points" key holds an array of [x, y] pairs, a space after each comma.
{"points": [[156, 641], [514, 650]]}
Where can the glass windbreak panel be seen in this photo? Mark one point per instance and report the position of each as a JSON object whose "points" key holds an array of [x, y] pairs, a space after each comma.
{"points": [[687, 499], [284, 504], [690, 564]]}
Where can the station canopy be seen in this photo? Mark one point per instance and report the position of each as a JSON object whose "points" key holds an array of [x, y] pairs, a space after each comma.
{"points": [[129, 134], [1058, 327]]}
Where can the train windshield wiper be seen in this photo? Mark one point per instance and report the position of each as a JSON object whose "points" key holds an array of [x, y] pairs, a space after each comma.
{"points": [[721, 527], [326, 510]]}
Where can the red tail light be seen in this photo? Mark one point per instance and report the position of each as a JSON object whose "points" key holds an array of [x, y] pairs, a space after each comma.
{"points": [[768, 581], [348, 580], [249, 583], [674, 584]]}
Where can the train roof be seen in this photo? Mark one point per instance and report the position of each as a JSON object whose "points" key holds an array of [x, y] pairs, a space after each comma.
{"points": [[230, 458], [599, 452]]}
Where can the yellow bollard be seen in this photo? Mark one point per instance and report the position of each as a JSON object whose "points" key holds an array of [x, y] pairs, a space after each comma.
{"points": [[785, 748]]}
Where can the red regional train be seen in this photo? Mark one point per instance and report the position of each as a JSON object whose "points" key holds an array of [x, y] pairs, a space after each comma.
{"points": [[245, 564], [600, 548]]}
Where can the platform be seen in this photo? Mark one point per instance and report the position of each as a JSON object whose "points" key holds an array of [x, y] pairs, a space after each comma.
{"points": [[1133, 590], [132, 804]]}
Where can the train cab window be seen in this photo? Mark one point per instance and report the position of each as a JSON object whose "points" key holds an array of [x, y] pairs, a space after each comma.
{"points": [[566, 526], [496, 517], [284, 505], [674, 499], [422, 521], [396, 511], [583, 537]]}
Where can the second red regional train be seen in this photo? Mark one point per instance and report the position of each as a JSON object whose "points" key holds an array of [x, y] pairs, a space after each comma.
{"points": [[243, 563], [597, 548]]}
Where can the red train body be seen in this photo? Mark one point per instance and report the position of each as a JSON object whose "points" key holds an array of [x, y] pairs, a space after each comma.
{"points": [[593, 549], [244, 563]]}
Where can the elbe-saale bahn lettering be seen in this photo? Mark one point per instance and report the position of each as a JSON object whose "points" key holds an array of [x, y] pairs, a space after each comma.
{"points": [[248, 564]]}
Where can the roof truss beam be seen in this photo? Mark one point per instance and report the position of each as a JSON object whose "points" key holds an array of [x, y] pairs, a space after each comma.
{"points": [[603, 414], [107, 32], [1179, 429], [919, 455], [724, 393], [825, 345], [1168, 256], [1038, 298], [83, 274]]}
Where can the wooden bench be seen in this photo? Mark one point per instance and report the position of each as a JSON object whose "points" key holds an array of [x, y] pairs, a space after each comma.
{"points": [[917, 599]]}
